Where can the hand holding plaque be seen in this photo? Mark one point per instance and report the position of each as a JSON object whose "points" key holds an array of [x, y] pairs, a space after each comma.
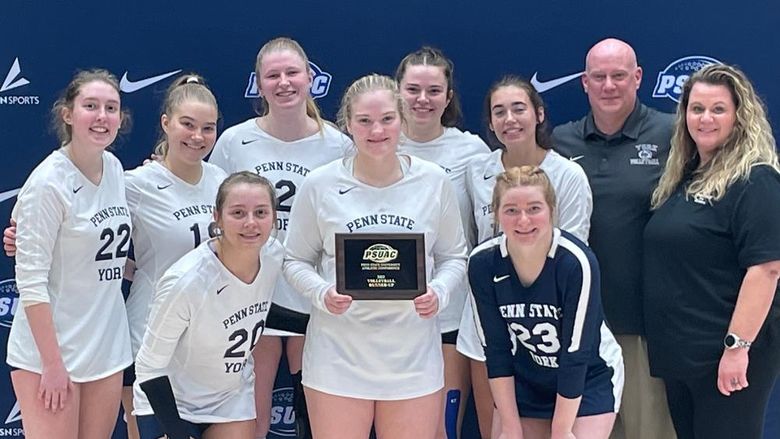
{"points": [[427, 305], [380, 266], [337, 303]]}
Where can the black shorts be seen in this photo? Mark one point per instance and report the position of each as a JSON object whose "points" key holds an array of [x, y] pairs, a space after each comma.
{"points": [[285, 319], [449, 337], [128, 376], [149, 428]]}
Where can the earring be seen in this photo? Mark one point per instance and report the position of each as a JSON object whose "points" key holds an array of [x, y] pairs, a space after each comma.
{"points": [[214, 230]]}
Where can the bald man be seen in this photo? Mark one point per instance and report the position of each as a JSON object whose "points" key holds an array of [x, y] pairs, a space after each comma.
{"points": [[622, 145]]}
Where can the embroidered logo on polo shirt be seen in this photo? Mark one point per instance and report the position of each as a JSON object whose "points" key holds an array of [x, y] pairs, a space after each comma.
{"points": [[702, 199], [647, 154]]}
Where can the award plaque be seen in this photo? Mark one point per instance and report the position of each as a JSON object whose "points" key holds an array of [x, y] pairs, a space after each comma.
{"points": [[380, 266]]}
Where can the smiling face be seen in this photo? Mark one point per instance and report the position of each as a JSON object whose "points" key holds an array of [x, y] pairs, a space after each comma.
{"points": [[246, 216], [710, 116], [95, 116], [425, 90], [513, 117], [284, 79], [191, 131], [611, 80], [524, 215], [375, 123]]}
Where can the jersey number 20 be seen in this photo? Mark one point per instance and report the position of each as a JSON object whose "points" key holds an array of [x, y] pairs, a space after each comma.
{"points": [[240, 337]]}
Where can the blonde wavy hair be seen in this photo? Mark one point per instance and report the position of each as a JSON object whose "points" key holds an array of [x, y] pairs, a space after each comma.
{"points": [[750, 142]]}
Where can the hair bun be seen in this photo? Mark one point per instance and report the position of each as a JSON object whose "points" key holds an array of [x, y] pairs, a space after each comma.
{"points": [[192, 80]]}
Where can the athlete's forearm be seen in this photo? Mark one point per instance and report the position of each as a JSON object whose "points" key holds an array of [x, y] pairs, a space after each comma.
{"points": [[503, 391], [42, 327], [564, 415]]}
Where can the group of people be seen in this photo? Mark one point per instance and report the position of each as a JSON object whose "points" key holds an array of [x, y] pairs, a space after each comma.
{"points": [[622, 261]]}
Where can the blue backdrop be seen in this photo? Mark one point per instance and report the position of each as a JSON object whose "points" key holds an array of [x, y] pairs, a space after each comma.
{"points": [[42, 44]]}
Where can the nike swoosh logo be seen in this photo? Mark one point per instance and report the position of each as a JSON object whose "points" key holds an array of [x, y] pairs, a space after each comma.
{"points": [[220, 290], [576, 157], [543, 86], [77, 189], [498, 279], [129, 86], [161, 187], [247, 142], [8, 194], [488, 177], [344, 191]]}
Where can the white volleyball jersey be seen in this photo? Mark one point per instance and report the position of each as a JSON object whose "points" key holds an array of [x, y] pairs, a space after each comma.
{"points": [[574, 206], [453, 151], [203, 325], [170, 218], [380, 350], [246, 147], [72, 241]]}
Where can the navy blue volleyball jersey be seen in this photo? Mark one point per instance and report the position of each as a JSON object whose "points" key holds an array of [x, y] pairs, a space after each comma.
{"points": [[551, 333]]}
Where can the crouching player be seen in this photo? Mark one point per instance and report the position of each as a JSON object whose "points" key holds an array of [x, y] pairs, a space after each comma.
{"points": [[208, 312], [555, 369]]}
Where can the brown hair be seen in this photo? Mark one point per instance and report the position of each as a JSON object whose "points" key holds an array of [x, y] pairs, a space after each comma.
{"points": [[430, 56], [237, 178], [68, 97], [542, 136]]}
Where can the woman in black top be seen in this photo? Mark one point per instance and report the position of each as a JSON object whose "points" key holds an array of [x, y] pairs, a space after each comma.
{"points": [[712, 261]]}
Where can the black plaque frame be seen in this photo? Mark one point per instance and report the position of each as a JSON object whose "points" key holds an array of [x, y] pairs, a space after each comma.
{"points": [[410, 289]]}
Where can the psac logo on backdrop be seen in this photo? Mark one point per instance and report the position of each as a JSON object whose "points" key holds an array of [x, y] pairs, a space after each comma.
{"points": [[9, 301], [282, 414], [14, 79], [671, 79], [320, 84]]}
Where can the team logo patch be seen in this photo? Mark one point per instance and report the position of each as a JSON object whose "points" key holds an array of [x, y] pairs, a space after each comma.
{"points": [[671, 79], [380, 253], [647, 154], [9, 301], [320, 83], [282, 414]]}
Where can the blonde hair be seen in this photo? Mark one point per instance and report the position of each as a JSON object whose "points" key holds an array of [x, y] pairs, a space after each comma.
{"points": [[277, 45], [750, 142], [366, 84], [185, 88], [523, 176]]}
